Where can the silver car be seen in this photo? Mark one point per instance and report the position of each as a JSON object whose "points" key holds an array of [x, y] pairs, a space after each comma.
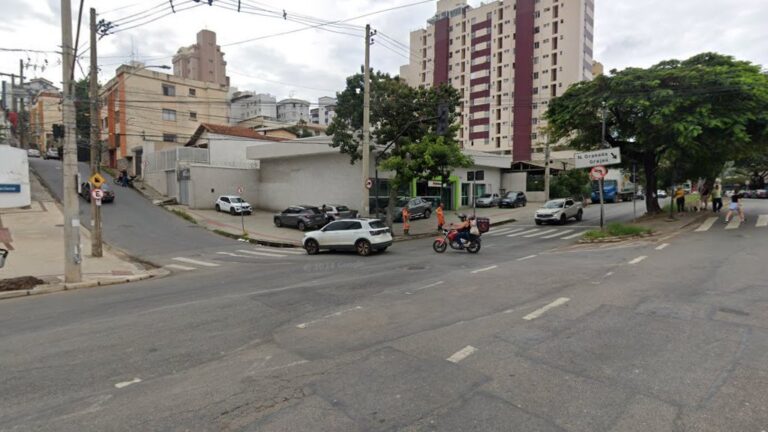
{"points": [[488, 200]]}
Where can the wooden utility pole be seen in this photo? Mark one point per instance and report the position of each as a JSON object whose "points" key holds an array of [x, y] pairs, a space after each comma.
{"points": [[22, 129], [365, 209], [72, 254], [96, 242]]}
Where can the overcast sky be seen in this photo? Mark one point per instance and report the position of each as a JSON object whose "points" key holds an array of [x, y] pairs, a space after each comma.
{"points": [[313, 63]]}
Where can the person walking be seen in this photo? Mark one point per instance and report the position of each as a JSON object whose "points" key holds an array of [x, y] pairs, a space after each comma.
{"points": [[406, 221], [735, 206], [440, 217], [704, 196], [680, 199], [717, 197]]}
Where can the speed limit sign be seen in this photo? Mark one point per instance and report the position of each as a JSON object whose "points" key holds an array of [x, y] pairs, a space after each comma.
{"points": [[598, 173], [97, 194]]}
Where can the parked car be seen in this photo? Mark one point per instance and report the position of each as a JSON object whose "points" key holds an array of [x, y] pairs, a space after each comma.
{"points": [[417, 208], [33, 153], [85, 192], [750, 193], [52, 153], [761, 193], [513, 199], [661, 193], [487, 200], [559, 211], [360, 235], [233, 204], [336, 211], [301, 217]]}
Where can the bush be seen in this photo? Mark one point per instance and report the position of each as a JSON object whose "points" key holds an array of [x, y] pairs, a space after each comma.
{"points": [[616, 230], [570, 184]]}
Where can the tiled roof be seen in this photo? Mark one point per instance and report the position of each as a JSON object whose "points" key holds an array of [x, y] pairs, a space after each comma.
{"points": [[235, 131]]}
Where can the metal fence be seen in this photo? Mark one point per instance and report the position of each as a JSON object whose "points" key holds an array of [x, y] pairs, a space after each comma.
{"points": [[168, 160]]}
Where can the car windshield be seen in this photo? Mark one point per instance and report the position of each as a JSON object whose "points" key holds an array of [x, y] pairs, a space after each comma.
{"points": [[312, 210], [512, 194], [485, 196], [554, 204], [377, 224], [236, 200], [342, 208]]}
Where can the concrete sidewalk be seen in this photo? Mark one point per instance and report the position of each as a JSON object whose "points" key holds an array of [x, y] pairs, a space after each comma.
{"points": [[34, 237]]}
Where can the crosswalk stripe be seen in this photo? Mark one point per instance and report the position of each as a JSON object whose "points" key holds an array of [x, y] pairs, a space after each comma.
{"points": [[524, 232], [540, 233], [762, 221], [707, 224], [179, 267], [196, 262], [232, 254], [573, 236], [505, 231], [296, 251], [559, 233], [267, 254], [733, 224]]}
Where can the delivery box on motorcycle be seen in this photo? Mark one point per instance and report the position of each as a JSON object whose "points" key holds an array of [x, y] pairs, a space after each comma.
{"points": [[483, 224]]}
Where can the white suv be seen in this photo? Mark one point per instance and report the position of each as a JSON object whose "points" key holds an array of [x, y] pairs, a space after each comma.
{"points": [[233, 204], [361, 235]]}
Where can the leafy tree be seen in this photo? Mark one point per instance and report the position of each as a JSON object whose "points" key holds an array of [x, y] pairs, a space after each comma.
{"points": [[404, 116], [690, 116], [301, 130], [83, 109], [574, 183]]}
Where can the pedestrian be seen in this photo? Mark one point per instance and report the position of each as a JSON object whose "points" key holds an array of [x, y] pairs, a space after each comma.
{"points": [[735, 206], [717, 197], [406, 221], [680, 199], [704, 196], [440, 217], [124, 177]]}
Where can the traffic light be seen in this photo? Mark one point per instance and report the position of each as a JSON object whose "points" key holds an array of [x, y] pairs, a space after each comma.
{"points": [[442, 119]]}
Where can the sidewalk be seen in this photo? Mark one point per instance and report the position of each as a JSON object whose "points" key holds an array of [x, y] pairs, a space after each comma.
{"points": [[662, 225], [34, 237]]}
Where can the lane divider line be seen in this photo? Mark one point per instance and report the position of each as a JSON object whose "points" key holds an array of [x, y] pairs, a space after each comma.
{"points": [[429, 286], [335, 314], [539, 312], [196, 262], [267, 254], [662, 246], [638, 260], [127, 383], [462, 354], [527, 258], [484, 269], [179, 267]]}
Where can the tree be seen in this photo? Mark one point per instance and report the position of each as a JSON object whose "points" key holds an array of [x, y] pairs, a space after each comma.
{"points": [[406, 117], [301, 130], [690, 116], [574, 183], [83, 109]]}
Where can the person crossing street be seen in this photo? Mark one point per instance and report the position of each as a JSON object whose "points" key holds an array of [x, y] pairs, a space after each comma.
{"points": [[440, 217]]}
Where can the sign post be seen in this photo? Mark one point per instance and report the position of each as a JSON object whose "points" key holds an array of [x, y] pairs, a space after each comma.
{"points": [[634, 195], [240, 191], [598, 173]]}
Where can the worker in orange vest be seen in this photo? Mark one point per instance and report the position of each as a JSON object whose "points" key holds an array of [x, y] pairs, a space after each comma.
{"points": [[406, 221], [440, 217]]}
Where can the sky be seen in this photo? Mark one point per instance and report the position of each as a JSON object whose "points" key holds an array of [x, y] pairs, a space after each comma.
{"points": [[312, 62]]}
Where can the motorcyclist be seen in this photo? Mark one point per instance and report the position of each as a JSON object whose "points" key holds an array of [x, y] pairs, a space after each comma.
{"points": [[462, 228]]}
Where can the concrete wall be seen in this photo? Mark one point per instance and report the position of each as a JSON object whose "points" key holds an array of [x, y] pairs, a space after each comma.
{"points": [[514, 181], [492, 178], [209, 182], [14, 172], [156, 180]]}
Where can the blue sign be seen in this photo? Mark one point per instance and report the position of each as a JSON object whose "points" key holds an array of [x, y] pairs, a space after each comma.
{"points": [[10, 188]]}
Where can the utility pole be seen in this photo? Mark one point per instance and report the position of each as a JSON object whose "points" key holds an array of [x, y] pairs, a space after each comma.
{"points": [[22, 129], [72, 256], [601, 182], [546, 170], [96, 245], [365, 209]]}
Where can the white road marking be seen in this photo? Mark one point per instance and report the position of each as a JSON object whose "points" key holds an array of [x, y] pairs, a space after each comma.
{"points": [[430, 286], [762, 221], [638, 259], [539, 312], [707, 224], [179, 267], [608, 274], [232, 254], [540, 233], [734, 223], [196, 262], [505, 231], [335, 314], [261, 253], [484, 269], [573, 236], [524, 232], [295, 251], [662, 246], [462, 354], [127, 383], [557, 234], [527, 258]]}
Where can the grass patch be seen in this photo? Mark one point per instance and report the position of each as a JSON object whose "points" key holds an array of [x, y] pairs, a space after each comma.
{"points": [[184, 215], [689, 200], [616, 230]]}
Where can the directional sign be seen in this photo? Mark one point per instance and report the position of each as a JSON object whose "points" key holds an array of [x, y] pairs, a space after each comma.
{"points": [[609, 156], [97, 194], [97, 180], [599, 172], [368, 184], [10, 188]]}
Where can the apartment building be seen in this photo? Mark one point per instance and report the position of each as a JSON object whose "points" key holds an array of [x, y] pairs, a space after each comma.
{"points": [[508, 59], [247, 105], [325, 111], [293, 110], [43, 114], [202, 61], [146, 111]]}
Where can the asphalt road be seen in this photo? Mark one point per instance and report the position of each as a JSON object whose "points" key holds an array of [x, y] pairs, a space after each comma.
{"points": [[669, 335]]}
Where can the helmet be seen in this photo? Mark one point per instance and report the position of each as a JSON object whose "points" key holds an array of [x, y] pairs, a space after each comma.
{"points": [[462, 216]]}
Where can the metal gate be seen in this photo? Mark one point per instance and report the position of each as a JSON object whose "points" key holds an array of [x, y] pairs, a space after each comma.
{"points": [[184, 177], [171, 184]]}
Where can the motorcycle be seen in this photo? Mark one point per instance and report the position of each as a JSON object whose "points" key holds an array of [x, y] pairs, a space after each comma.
{"points": [[119, 180], [448, 238]]}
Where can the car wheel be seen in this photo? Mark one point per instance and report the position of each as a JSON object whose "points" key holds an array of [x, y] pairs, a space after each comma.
{"points": [[538, 222], [232, 211], [579, 215], [312, 247], [302, 226], [363, 247], [563, 219], [278, 222], [218, 208], [427, 213]]}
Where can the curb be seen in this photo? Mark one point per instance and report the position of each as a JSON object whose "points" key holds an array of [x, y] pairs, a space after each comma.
{"points": [[58, 287], [253, 241]]}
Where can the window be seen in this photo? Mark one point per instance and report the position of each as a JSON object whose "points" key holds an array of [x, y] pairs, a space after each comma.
{"points": [[169, 137], [169, 114], [169, 90], [192, 92], [192, 115]]}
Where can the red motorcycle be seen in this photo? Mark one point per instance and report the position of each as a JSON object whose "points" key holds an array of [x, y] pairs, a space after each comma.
{"points": [[448, 238]]}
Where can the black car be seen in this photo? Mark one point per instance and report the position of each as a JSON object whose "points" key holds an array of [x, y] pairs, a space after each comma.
{"points": [[301, 217], [513, 199], [417, 208], [85, 192]]}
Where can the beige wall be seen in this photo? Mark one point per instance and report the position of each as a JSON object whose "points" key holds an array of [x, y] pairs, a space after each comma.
{"points": [[42, 116], [202, 61], [208, 182]]}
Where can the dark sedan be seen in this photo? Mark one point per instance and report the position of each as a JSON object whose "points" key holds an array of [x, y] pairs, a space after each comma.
{"points": [[417, 208], [513, 199], [85, 192], [301, 217]]}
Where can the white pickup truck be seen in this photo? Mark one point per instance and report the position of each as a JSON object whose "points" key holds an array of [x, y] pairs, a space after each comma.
{"points": [[559, 211]]}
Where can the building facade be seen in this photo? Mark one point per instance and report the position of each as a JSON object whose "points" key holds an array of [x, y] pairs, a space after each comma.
{"points": [[202, 61], [247, 105], [44, 112], [141, 106], [293, 111], [508, 59], [325, 111]]}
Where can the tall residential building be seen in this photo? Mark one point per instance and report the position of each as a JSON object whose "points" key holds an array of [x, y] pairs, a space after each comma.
{"points": [[293, 111], [202, 61], [247, 105], [43, 114], [146, 111], [325, 111], [508, 58]]}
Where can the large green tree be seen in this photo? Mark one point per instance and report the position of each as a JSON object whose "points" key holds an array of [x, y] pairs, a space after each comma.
{"points": [[404, 117], [689, 116]]}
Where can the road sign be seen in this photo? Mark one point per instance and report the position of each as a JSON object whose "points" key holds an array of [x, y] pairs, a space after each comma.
{"points": [[97, 180], [609, 156], [97, 194], [599, 172], [368, 183], [10, 188], [240, 190]]}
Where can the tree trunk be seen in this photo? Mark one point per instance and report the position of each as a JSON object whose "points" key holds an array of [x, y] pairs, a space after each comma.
{"points": [[391, 202], [651, 201]]}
